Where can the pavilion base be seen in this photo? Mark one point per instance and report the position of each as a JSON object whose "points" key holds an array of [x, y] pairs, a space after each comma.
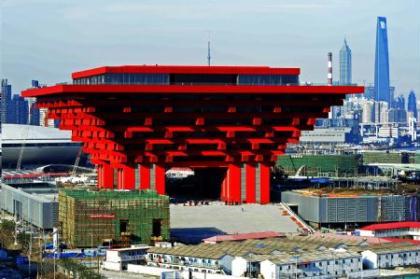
{"points": [[242, 182]]}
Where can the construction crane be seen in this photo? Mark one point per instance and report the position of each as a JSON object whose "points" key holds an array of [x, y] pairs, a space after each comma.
{"points": [[25, 134], [77, 161]]}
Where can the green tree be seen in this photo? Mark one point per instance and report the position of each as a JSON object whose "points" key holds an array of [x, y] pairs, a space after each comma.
{"points": [[23, 240], [7, 232], [78, 270]]}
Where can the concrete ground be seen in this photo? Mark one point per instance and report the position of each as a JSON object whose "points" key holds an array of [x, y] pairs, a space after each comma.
{"points": [[193, 223], [124, 275]]}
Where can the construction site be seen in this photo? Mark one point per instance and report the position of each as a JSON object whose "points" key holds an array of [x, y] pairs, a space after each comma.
{"points": [[349, 208], [343, 165], [114, 218]]}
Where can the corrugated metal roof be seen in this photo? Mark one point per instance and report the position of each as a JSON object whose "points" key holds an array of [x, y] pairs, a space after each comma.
{"points": [[15, 133], [391, 226], [243, 236]]}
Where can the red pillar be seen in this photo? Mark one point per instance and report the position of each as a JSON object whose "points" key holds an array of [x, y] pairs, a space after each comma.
{"points": [[223, 191], [120, 184], [264, 183], [99, 172], [105, 176], [231, 187], [126, 179], [250, 183], [144, 177], [160, 179]]}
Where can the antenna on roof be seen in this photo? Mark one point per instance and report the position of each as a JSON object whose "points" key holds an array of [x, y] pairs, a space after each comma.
{"points": [[208, 52]]}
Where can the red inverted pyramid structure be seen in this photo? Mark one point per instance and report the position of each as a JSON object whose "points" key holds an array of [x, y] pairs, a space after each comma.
{"points": [[138, 121]]}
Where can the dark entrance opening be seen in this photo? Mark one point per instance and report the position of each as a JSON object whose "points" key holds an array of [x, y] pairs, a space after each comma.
{"points": [[294, 208], [157, 227], [205, 184], [123, 226]]}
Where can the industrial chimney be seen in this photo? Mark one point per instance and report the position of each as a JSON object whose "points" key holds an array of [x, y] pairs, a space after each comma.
{"points": [[330, 69]]}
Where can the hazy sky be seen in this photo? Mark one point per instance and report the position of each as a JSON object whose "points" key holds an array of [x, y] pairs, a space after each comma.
{"points": [[49, 39]]}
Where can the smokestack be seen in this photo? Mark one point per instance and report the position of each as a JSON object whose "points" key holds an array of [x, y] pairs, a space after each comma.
{"points": [[330, 69]]}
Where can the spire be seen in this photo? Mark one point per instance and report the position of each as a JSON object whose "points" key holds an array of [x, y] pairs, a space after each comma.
{"points": [[208, 53]]}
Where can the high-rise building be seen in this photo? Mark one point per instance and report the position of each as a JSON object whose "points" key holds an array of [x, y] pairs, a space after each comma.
{"points": [[19, 110], [397, 115], [382, 87], [381, 112], [345, 64], [368, 111], [6, 98], [399, 102], [369, 92], [34, 114], [412, 103]]}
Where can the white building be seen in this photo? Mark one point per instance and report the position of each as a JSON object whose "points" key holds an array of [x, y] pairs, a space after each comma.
{"points": [[214, 262], [117, 259], [392, 230], [368, 111], [388, 131], [381, 112], [335, 135], [43, 118], [312, 265], [384, 257]]}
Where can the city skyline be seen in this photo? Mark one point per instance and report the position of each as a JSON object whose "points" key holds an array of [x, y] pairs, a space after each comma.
{"points": [[108, 33]]}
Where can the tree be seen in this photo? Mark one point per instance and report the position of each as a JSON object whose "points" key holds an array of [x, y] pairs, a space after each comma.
{"points": [[78, 270], [7, 232], [24, 240]]}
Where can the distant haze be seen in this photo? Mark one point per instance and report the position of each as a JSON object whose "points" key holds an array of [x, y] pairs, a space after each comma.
{"points": [[49, 39]]}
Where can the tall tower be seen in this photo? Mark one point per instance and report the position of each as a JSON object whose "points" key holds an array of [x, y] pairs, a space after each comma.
{"points": [[412, 103], [382, 88], [330, 69], [345, 64]]}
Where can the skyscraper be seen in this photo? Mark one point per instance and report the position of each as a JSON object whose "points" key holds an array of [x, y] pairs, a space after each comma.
{"points": [[6, 98], [19, 110], [412, 103], [345, 64], [399, 102], [382, 87]]}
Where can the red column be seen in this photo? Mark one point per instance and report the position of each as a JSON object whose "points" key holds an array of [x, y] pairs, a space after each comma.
{"points": [[105, 176], [126, 179], [120, 182], [223, 191], [99, 172], [144, 177], [250, 183], [265, 183], [233, 184], [160, 179]]}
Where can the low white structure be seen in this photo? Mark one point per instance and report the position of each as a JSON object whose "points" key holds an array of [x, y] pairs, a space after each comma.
{"points": [[395, 229], [391, 257], [170, 273], [312, 265], [118, 259], [215, 263]]}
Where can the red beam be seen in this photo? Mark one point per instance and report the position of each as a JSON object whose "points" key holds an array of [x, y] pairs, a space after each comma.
{"points": [[114, 89]]}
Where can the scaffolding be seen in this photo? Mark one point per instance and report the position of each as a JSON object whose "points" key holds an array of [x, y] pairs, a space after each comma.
{"points": [[91, 218], [321, 164]]}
